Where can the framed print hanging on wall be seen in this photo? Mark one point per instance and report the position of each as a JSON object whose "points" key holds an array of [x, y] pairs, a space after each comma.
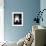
{"points": [[17, 18]]}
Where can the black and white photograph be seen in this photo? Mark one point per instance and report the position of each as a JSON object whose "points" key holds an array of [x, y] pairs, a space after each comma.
{"points": [[17, 18]]}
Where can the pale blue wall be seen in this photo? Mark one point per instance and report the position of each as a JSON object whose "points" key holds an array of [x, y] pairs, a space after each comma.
{"points": [[28, 7], [43, 6]]}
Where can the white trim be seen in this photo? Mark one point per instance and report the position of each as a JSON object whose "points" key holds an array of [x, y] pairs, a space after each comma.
{"points": [[13, 17], [1, 24]]}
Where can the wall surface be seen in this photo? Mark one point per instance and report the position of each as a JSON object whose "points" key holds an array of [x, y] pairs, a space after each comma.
{"points": [[29, 8], [43, 6]]}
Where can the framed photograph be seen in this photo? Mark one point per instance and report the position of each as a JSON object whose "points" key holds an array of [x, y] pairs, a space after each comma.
{"points": [[17, 18]]}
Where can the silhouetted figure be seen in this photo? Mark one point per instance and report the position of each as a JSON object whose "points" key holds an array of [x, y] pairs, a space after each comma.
{"points": [[17, 19]]}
